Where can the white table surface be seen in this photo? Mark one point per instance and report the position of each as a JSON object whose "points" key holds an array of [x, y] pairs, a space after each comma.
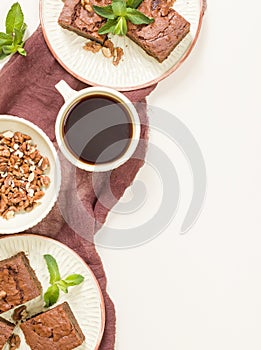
{"points": [[201, 290]]}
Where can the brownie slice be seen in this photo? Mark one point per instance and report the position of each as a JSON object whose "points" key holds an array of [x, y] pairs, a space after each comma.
{"points": [[6, 330], [18, 282], [84, 22], [55, 329], [159, 38]]}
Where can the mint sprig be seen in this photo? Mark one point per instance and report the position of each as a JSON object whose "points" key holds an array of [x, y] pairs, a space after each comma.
{"points": [[12, 40], [51, 295], [117, 15], [56, 283], [134, 4], [52, 268]]}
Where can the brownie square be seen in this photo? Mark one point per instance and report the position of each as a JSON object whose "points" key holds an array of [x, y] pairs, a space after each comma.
{"points": [[18, 282], [76, 18], [159, 38], [6, 330], [55, 329]]}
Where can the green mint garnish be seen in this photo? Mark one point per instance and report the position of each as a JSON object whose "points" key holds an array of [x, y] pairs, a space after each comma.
{"points": [[52, 268], [134, 3], [12, 40], [51, 295], [137, 17], [56, 283], [118, 13], [119, 8], [74, 280]]}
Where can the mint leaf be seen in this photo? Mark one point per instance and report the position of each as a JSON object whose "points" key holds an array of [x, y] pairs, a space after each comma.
{"points": [[134, 3], [12, 40], [108, 27], [5, 39], [52, 268], [119, 7], [121, 27], [2, 55], [63, 286], [18, 37], [8, 49], [105, 11], [117, 15], [24, 27], [73, 280], [136, 17], [22, 51], [14, 19], [51, 295]]}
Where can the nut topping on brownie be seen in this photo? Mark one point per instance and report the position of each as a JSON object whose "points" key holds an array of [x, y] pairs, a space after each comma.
{"points": [[159, 38], [55, 329], [78, 16], [18, 282], [6, 330]]}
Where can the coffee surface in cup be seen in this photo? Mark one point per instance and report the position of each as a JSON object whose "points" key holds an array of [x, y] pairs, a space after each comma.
{"points": [[97, 129]]}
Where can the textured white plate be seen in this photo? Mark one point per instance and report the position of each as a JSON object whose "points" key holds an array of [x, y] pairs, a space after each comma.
{"points": [[24, 221], [85, 300], [137, 69]]}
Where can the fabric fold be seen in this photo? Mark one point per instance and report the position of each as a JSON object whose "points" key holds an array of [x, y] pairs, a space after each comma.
{"points": [[27, 91]]}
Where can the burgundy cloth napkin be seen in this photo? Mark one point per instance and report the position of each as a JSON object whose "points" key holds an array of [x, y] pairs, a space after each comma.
{"points": [[27, 90]]}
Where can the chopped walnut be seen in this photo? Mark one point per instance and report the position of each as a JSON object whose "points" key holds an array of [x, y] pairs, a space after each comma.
{"points": [[20, 313], [22, 174], [108, 50], [2, 294], [86, 5], [109, 44], [14, 342], [117, 55], [92, 46]]}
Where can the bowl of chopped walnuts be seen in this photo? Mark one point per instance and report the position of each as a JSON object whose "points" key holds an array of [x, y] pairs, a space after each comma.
{"points": [[30, 174]]}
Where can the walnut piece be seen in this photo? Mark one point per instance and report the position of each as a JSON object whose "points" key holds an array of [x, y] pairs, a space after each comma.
{"points": [[22, 174], [86, 5], [20, 313], [117, 55], [108, 50], [14, 342], [92, 46], [2, 294]]}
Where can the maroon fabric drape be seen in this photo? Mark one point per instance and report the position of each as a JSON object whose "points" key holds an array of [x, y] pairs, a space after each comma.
{"points": [[27, 90]]}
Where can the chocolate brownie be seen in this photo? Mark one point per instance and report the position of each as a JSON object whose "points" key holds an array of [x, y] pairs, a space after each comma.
{"points": [[18, 282], [76, 18], [159, 38], [6, 330], [55, 329]]}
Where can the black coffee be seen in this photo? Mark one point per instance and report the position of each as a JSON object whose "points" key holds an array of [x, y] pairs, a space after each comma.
{"points": [[97, 129]]}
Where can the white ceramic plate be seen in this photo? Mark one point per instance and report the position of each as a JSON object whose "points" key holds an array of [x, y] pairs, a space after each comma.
{"points": [[85, 300], [24, 221], [136, 70]]}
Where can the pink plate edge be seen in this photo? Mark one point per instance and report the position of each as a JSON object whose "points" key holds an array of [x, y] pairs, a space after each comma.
{"points": [[91, 272], [203, 6]]}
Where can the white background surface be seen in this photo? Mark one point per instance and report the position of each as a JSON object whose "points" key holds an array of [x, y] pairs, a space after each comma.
{"points": [[202, 290]]}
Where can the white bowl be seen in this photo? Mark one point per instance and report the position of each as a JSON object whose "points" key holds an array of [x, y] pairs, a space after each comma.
{"points": [[25, 220]]}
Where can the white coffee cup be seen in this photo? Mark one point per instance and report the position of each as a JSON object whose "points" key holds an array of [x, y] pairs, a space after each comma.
{"points": [[71, 98]]}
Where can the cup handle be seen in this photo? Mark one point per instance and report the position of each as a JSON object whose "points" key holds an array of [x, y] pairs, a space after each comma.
{"points": [[65, 90]]}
